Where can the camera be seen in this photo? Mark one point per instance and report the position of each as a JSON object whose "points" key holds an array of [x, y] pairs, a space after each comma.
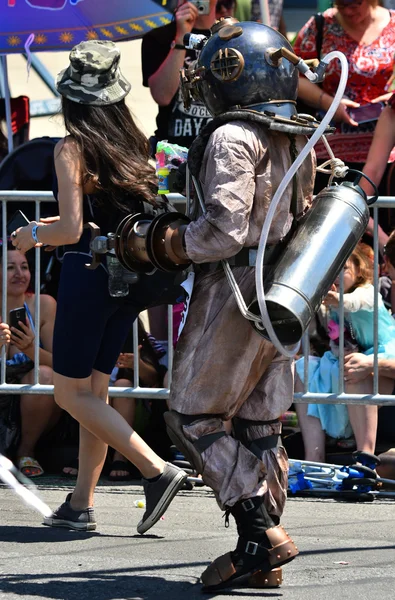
{"points": [[203, 6]]}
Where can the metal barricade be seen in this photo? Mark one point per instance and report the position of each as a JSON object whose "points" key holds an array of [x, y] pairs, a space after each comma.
{"points": [[139, 392], [343, 398], [36, 388]]}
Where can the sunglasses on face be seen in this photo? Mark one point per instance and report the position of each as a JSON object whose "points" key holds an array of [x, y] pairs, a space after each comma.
{"points": [[228, 4], [347, 3]]}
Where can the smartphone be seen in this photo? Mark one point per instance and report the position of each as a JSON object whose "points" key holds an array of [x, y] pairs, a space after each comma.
{"points": [[17, 314], [366, 113], [203, 6], [17, 220]]}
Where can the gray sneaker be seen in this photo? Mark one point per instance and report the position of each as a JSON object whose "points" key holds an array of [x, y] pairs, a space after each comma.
{"points": [[65, 516], [159, 494]]}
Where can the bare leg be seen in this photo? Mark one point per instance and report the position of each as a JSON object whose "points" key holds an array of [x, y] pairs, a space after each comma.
{"points": [[127, 408], [92, 452], [363, 418], [312, 432], [38, 413], [78, 397]]}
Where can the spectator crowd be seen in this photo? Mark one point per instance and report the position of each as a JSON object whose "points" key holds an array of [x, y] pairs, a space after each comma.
{"points": [[364, 139]]}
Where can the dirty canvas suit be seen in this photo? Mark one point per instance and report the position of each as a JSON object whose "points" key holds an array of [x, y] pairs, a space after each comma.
{"points": [[223, 369]]}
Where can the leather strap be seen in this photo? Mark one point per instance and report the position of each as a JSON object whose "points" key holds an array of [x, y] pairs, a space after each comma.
{"points": [[264, 443], [205, 441], [247, 257]]}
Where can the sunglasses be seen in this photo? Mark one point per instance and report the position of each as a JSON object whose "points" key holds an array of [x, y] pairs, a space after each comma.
{"points": [[228, 4], [347, 3]]}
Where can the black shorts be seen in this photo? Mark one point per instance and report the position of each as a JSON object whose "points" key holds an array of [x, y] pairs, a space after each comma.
{"points": [[91, 326]]}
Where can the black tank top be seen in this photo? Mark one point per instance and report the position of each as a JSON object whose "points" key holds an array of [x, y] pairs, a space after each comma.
{"points": [[99, 209]]}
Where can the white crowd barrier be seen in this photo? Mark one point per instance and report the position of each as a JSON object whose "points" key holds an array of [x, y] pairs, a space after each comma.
{"points": [[151, 393]]}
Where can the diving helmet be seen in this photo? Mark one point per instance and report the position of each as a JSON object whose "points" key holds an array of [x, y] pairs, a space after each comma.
{"points": [[236, 70]]}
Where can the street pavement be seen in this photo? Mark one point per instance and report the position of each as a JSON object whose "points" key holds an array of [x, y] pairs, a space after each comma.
{"points": [[347, 550]]}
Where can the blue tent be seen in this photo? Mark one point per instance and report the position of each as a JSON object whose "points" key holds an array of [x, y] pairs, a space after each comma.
{"points": [[60, 24]]}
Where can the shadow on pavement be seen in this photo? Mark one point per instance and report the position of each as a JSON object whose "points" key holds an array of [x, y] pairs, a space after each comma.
{"points": [[31, 535], [114, 585]]}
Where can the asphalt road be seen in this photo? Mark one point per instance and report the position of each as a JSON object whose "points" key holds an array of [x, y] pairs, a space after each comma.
{"points": [[347, 550]]}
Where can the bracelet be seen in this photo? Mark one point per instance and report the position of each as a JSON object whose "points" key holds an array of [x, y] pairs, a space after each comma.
{"points": [[175, 46], [34, 234]]}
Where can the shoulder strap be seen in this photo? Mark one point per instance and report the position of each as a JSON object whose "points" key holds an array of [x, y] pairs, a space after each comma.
{"points": [[319, 23], [29, 316], [294, 200]]}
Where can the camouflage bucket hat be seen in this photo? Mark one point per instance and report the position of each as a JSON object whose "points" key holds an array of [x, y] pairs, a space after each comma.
{"points": [[93, 76]]}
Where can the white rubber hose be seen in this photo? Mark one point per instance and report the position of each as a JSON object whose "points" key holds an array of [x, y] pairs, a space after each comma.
{"points": [[291, 351]]}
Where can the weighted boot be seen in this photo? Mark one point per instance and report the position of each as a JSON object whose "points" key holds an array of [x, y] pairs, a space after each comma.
{"points": [[261, 546]]}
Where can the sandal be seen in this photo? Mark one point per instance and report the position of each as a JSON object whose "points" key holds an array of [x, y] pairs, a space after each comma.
{"points": [[121, 465], [73, 464], [29, 466]]}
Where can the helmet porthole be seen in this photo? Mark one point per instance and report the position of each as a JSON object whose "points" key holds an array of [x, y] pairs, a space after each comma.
{"points": [[227, 64]]}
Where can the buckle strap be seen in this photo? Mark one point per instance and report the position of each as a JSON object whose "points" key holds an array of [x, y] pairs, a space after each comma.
{"points": [[252, 548], [226, 517]]}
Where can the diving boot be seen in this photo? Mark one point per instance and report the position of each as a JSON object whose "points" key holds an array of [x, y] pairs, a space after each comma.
{"points": [[261, 546]]}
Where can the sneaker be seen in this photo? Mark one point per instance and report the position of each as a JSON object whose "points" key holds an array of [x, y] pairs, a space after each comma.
{"points": [[65, 516], [159, 494]]}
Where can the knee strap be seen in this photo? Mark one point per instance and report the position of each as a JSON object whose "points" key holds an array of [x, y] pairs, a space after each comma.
{"points": [[192, 450], [205, 441], [264, 443], [258, 445]]}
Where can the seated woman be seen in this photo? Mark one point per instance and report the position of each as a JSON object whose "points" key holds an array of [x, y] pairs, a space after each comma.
{"points": [[39, 413], [338, 420]]}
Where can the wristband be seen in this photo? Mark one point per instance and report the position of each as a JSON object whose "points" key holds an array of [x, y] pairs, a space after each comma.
{"points": [[34, 234], [175, 46]]}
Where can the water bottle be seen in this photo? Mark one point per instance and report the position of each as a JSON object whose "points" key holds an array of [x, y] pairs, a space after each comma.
{"points": [[117, 287]]}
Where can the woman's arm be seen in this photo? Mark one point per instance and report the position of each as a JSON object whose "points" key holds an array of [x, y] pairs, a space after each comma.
{"points": [[362, 298], [48, 312], [165, 82], [315, 96], [68, 229], [147, 372], [380, 149]]}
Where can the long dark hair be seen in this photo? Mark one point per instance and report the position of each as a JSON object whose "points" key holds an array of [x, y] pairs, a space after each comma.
{"points": [[115, 153]]}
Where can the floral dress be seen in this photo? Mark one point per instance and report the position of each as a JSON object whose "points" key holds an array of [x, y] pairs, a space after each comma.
{"points": [[370, 67]]}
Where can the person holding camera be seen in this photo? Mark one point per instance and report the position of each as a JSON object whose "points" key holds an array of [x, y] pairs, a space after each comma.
{"points": [[162, 56]]}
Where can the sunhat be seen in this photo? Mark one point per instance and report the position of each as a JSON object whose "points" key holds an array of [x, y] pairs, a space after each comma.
{"points": [[93, 76]]}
